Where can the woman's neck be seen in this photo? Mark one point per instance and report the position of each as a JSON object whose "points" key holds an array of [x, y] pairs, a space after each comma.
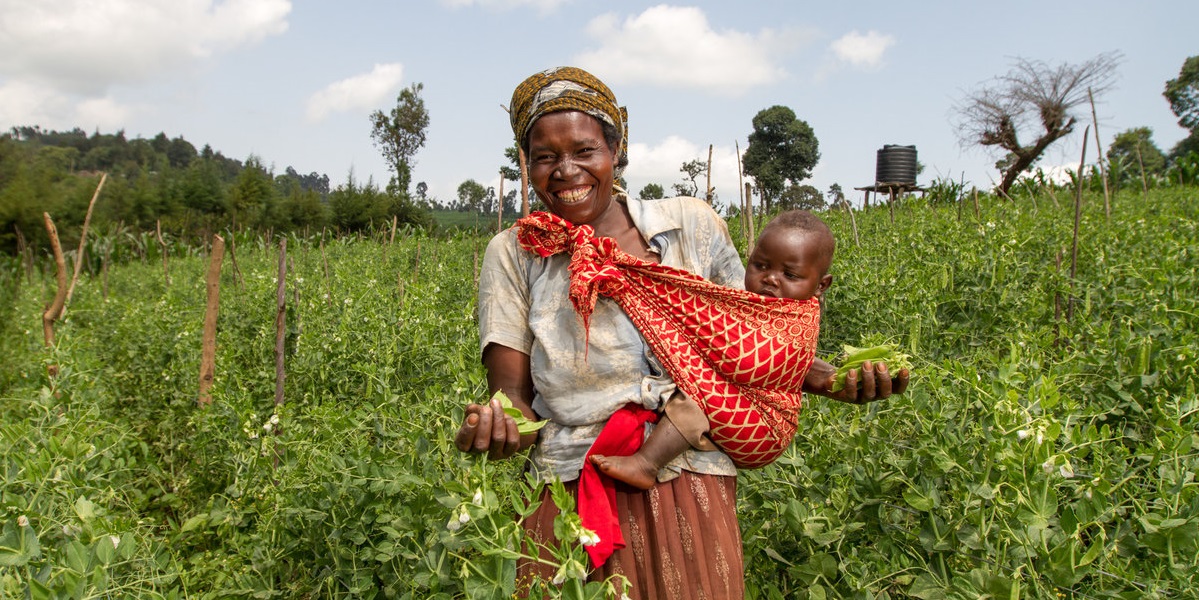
{"points": [[617, 223]]}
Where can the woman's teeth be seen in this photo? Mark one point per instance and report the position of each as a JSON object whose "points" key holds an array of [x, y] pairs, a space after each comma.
{"points": [[574, 195]]}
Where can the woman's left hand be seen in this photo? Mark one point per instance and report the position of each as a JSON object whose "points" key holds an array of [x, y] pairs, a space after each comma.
{"points": [[876, 382]]}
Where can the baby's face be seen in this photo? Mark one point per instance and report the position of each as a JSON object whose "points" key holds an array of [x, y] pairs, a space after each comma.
{"points": [[787, 263]]}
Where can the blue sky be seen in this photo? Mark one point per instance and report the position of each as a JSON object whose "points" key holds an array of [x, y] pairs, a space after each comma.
{"points": [[294, 82]]}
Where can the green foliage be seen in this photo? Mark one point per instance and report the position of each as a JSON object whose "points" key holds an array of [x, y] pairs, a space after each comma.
{"points": [[651, 191], [782, 148], [1031, 457], [1133, 151], [400, 134], [1182, 93], [802, 196]]}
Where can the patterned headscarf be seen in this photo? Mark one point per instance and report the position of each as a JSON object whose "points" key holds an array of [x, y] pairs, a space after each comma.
{"points": [[567, 88]]}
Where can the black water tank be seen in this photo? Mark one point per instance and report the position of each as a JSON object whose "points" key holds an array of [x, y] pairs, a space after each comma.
{"points": [[896, 164]]}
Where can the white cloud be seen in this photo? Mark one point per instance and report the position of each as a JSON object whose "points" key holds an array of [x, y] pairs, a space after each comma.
{"points": [[59, 59], [862, 50], [676, 46], [86, 46], [360, 92], [661, 164]]}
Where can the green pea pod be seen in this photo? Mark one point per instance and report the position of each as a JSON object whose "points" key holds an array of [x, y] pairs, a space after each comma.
{"points": [[523, 424], [853, 357]]}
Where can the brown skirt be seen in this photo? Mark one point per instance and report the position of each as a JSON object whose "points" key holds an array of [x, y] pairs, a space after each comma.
{"points": [[682, 540]]}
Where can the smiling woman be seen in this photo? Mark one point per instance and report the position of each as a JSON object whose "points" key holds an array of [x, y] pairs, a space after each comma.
{"points": [[596, 381]]}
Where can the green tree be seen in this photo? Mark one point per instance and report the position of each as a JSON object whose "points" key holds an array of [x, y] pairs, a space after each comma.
{"points": [[253, 194], [652, 191], [472, 197], [1035, 99], [1183, 95], [400, 134], [782, 149], [691, 170], [836, 196], [802, 196], [1134, 148]]}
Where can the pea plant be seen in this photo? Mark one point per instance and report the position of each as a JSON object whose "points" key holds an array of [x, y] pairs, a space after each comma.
{"points": [[1045, 447]]}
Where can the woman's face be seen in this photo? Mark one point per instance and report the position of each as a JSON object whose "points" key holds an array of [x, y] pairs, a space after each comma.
{"points": [[571, 166]]}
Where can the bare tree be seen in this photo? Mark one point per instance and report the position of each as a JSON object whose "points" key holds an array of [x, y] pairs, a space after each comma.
{"points": [[1036, 100]]}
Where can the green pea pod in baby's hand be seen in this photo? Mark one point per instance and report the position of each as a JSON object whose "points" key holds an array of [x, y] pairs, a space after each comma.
{"points": [[852, 358], [523, 424]]}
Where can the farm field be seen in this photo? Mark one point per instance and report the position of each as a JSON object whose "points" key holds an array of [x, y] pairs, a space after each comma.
{"points": [[1045, 449]]}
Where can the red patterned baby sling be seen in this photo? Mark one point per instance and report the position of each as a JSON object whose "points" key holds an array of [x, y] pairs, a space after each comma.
{"points": [[742, 357]]}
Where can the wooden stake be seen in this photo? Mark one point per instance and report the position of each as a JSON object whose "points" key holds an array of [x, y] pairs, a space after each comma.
{"points": [[208, 341], [1144, 180], [166, 274], [524, 184], [749, 215], [1077, 220], [708, 193], [1057, 304], [54, 310], [741, 187], [280, 322], [83, 238], [26, 254], [1107, 196], [852, 221], [499, 206], [977, 214]]}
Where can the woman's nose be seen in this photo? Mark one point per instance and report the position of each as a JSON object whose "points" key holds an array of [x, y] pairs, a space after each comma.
{"points": [[566, 168]]}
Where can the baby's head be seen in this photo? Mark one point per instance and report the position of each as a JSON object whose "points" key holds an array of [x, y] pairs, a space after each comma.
{"points": [[792, 257]]}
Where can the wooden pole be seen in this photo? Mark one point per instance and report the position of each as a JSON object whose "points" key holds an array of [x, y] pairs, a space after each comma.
{"points": [[1107, 196], [749, 212], [166, 274], [852, 221], [741, 187], [26, 256], [708, 193], [524, 184], [499, 206], [280, 322], [83, 238], [208, 343], [977, 214], [54, 310], [1144, 180], [1077, 220]]}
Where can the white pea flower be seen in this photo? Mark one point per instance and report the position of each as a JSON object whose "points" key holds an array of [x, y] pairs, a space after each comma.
{"points": [[115, 539], [463, 516], [274, 419], [1047, 466], [1066, 470], [1040, 437], [478, 499], [22, 521], [588, 537], [1022, 434]]}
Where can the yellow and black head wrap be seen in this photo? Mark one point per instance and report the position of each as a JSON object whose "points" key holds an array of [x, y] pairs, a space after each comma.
{"points": [[567, 88]]}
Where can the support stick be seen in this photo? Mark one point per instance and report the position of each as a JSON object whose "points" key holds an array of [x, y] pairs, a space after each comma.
{"points": [[87, 219], [208, 343], [54, 310]]}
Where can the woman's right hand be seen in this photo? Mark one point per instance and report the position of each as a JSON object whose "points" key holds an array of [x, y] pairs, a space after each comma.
{"points": [[487, 429]]}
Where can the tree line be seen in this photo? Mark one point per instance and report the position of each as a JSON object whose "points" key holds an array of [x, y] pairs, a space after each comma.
{"points": [[167, 183]]}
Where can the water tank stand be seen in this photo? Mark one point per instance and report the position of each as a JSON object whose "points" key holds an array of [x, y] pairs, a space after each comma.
{"points": [[892, 190]]}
